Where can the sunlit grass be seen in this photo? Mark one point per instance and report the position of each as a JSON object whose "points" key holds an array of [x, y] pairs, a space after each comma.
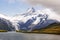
{"points": [[3, 31], [51, 29]]}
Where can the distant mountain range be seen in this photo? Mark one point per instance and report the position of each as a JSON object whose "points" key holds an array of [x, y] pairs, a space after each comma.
{"points": [[32, 19]]}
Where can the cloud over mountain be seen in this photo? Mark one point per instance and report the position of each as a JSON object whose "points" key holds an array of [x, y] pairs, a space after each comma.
{"points": [[54, 4]]}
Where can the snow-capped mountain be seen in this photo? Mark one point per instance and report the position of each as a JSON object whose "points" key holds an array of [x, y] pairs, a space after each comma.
{"points": [[33, 19], [5, 23], [5, 16], [30, 20]]}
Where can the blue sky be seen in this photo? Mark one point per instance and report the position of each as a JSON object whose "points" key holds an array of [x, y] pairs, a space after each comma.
{"points": [[12, 7]]}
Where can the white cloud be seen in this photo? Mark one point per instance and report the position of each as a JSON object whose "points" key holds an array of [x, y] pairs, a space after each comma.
{"points": [[55, 4]]}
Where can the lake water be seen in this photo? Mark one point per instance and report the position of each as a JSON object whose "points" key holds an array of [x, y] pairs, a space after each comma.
{"points": [[26, 36]]}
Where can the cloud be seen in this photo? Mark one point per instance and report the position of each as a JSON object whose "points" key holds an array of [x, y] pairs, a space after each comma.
{"points": [[54, 4]]}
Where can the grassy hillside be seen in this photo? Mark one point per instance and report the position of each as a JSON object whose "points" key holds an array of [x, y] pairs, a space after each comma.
{"points": [[50, 29]]}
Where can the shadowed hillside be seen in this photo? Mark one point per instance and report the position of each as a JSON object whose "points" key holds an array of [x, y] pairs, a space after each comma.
{"points": [[5, 25]]}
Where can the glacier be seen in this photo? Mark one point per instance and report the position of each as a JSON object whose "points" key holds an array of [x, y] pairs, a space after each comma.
{"points": [[30, 20]]}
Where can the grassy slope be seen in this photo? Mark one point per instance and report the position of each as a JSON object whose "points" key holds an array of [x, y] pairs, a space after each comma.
{"points": [[50, 29]]}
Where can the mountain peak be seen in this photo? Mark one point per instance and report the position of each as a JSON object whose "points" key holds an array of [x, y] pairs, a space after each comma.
{"points": [[31, 10]]}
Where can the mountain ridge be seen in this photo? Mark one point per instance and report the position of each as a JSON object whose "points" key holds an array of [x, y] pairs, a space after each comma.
{"points": [[42, 17], [33, 19]]}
